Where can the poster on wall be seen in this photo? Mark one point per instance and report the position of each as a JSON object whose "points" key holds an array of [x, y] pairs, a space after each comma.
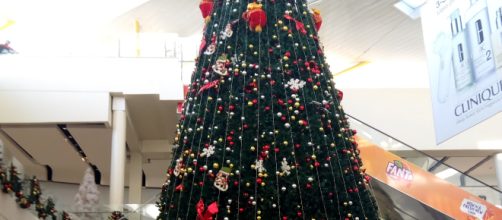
{"points": [[463, 42]]}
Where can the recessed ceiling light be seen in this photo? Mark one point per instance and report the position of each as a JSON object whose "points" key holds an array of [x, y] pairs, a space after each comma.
{"points": [[446, 173]]}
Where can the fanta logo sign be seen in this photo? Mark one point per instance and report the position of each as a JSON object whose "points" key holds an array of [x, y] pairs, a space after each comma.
{"points": [[399, 171]]}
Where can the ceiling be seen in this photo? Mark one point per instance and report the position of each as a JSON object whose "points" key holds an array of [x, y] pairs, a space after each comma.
{"points": [[369, 30]]}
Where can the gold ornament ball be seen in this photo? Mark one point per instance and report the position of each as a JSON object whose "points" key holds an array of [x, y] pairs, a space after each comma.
{"points": [[216, 165], [297, 104], [279, 22], [315, 87], [252, 148], [285, 28], [250, 103], [263, 184]]}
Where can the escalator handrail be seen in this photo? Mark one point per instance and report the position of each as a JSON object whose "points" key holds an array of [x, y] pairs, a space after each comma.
{"points": [[421, 152]]}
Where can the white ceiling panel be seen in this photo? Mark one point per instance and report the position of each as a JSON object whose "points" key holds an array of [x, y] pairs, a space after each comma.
{"points": [[48, 146]]}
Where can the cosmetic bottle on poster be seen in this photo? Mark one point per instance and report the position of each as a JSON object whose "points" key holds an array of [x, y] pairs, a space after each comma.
{"points": [[497, 38], [479, 40], [462, 68]]}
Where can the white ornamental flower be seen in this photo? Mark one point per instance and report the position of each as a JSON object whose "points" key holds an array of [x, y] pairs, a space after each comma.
{"points": [[296, 84], [207, 151], [285, 167], [260, 167]]}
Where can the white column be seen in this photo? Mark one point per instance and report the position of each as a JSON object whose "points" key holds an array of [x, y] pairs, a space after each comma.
{"points": [[118, 159], [498, 165], [135, 178], [135, 181]]}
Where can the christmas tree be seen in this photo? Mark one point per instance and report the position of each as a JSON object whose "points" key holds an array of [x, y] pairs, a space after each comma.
{"points": [[35, 191], [87, 197], [3, 178], [262, 134], [50, 210], [116, 215], [65, 216]]}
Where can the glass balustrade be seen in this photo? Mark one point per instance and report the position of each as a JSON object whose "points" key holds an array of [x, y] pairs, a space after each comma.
{"points": [[427, 162]]}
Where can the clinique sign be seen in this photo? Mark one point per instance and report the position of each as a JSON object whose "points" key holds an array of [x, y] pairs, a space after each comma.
{"points": [[483, 98]]}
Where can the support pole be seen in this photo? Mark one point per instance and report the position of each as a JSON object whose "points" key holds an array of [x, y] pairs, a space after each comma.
{"points": [[118, 154]]}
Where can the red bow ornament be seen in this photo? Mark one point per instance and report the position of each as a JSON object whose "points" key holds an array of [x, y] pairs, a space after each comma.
{"points": [[208, 86], [299, 25], [207, 214]]}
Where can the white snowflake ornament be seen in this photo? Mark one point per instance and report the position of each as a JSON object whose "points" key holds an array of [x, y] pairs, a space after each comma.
{"points": [[207, 152], [285, 167], [259, 166], [296, 84]]}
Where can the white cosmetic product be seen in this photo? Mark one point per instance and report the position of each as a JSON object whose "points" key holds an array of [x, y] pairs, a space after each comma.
{"points": [[462, 68], [497, 38], [479, 40]]}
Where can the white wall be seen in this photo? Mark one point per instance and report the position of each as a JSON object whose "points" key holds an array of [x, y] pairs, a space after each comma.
{"points": [[32, 107], [406, 114], [84, 74]]}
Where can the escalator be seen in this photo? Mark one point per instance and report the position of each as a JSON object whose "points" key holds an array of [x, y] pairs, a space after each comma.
{"points": [[404, 190]]}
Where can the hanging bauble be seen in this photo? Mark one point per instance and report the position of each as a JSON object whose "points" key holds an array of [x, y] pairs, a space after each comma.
{"points": [[255, 16], [211, 48], [221, 181], [316, 15], [221, 65], [206, 7]]}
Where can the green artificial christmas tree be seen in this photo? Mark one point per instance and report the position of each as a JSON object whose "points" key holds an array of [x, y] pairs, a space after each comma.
{"points": [[49, 210], [262, 133], [35, 191], [3, 178], [116, 215], [65, 216]]}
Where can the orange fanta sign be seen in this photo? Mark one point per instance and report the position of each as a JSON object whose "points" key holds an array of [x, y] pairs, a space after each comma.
{"points": [[398, 170]]}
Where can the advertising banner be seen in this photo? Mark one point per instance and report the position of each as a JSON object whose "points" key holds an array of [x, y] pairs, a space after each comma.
{"points": [[423, 186], [463, 42]]}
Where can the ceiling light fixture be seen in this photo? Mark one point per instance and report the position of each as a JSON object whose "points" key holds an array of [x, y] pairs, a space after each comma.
{"points": [[352, 68], [446, 173]]}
